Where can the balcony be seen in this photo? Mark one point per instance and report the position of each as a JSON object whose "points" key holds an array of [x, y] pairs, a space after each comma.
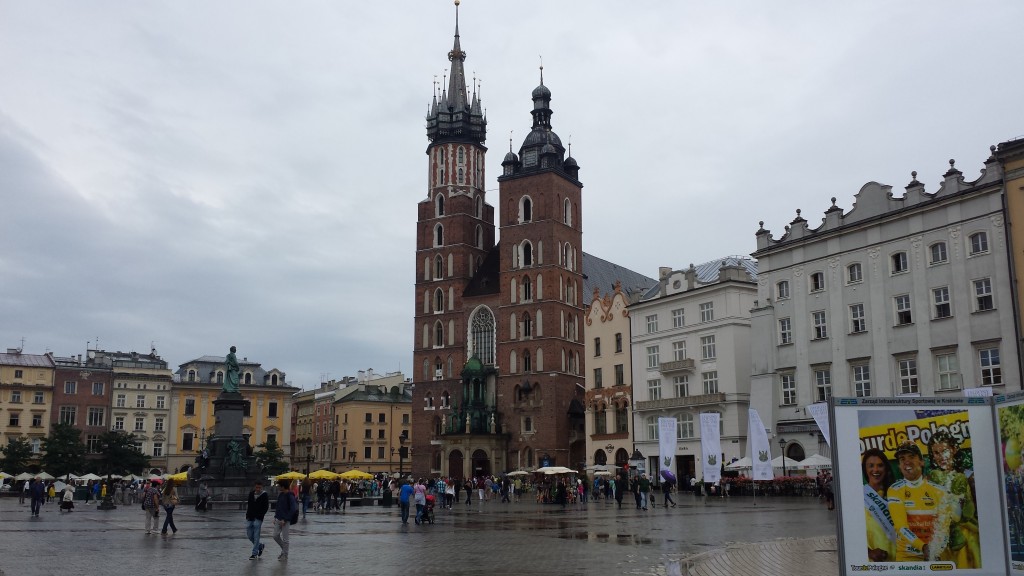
{"points": [[684, 365], [684, 402]]}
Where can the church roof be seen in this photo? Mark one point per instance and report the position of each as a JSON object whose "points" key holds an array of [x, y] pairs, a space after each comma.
{"points": [[602, 274]]}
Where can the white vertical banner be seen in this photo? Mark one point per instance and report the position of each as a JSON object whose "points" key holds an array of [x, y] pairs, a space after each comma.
{"points": [[667, 448], [711, 446], [760, 450], [820, 413]]}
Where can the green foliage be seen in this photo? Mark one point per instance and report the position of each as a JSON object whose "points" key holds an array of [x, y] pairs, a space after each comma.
{"points": [[119, 454], [270, 457], [64, 451], [17, 455]]}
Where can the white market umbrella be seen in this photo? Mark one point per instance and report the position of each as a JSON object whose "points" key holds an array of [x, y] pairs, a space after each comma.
{"points": [[602, 473], [558, 470], [5, 475], [790, 463], [90, 476], [24, 476], [812, 462], [744, 463], [44, 476], [518, 473]]}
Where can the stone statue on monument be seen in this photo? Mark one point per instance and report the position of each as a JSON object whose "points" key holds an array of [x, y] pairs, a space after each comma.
{"points": [[231, 373]]}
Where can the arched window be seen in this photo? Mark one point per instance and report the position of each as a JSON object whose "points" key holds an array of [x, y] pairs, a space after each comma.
{"points": [[527, 253], [438, 335], [191, 375], [438, 267], [478, 235], [440, 165], [462, 176], [527, 361], [527, 325], [479, 207], [527, 289], [525, 209], [567, 212], [273, 380], [482, 326], [438, 300], [440, 205], [428, 400], [248, 378], [446, 399], [438, 235]]}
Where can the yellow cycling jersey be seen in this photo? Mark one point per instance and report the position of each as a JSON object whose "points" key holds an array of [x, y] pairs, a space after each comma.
{"points": [[914, 508]]}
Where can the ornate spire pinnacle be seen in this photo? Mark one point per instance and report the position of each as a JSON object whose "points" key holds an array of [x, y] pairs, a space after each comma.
{"points": [[456, 115], [457, 85]]}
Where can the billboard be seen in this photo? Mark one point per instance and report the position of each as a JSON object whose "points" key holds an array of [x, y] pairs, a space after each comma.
{"points": [[919, 487]]}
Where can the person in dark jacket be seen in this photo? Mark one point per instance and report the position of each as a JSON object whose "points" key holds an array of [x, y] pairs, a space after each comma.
{"points": [[38, 493], [286, 507], [255, 509]]}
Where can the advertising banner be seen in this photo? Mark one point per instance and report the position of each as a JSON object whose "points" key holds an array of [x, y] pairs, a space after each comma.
{"points": [[667, 436], [918, 485], [760, 450], [1010, 419], [819, 412], [711, 446]]}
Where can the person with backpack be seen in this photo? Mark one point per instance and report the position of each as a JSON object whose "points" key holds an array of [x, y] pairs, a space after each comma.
{"points": [[286, 513], [151, 507]]}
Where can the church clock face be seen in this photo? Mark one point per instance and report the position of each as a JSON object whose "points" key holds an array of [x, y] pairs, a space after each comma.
{"points": [[530, 158]]}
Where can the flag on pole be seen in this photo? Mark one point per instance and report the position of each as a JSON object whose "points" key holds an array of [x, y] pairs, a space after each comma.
{"points": [[667, 448], [711, 446], [760, 450]]}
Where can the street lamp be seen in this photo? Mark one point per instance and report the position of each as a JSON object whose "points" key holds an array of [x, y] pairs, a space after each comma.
{"points": [[309, 454], [403, 451], [782, 450]]}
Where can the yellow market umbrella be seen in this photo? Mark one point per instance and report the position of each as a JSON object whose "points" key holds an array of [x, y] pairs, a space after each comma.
{"points": [[179, 477], [323, 475], [290, 476], [355, 475]]}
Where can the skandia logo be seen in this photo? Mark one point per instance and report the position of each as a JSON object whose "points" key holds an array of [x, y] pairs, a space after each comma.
{"points": [[940, 567]]}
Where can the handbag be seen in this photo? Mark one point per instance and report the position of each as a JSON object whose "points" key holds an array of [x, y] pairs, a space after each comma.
{"points": [[295, 518]]}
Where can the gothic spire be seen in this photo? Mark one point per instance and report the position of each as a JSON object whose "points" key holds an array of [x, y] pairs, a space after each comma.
{"points": [[456, 117]]}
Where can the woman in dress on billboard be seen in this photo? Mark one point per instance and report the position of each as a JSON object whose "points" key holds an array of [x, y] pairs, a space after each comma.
{"points": [[964, 548], [878, 477]]}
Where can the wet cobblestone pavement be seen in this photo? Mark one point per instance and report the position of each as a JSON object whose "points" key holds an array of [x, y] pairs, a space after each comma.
{"points": [[698, 537]]}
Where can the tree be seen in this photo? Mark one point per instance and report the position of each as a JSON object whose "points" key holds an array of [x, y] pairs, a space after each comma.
{"points": [[120, 456], [17, 455], [64, 451], [270, 457]]}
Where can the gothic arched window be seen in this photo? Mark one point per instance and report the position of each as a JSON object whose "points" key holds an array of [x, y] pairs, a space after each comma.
{"points": [[482, 335]]}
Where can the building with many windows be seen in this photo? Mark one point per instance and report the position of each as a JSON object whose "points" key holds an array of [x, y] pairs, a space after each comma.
{"points": [[609, 376], [82, 393], [372, 423], [900, 296], [198, 382], [141, 399], [26, 397], [691, 349]]}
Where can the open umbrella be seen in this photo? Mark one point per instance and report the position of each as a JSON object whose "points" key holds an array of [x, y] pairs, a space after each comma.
{"points": [[323, 474], [790, 463], [5, 475], [24, 476], [44, 476], [602, 473], [179, 477], [290, 476], [813, 461], [558, 470], [518, 473], [90, 476], [742, 464], [355, 475]]}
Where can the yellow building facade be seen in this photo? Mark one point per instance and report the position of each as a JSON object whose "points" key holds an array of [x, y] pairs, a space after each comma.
{"points": [[26, 395], [198, 383], [1011, 156]]}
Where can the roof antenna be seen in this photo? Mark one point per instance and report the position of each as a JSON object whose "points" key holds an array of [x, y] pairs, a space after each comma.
{"points": [[541, 69], [569, 152], [510, 140]]}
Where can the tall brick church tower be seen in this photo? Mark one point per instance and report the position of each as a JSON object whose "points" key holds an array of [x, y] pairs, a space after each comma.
{"points": [[498, 346]]}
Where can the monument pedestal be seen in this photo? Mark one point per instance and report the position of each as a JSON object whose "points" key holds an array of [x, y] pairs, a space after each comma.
{"points": [[230, 461]]}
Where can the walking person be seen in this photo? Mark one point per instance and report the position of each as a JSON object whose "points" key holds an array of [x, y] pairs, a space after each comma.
{"points": [[404, 496], [51, 491], [621, 486], [255, 510], [151, 506], [170, 500], [305, 491], [202, 496], [419, 495], [38, 494], [666, 491], [287, 507]]}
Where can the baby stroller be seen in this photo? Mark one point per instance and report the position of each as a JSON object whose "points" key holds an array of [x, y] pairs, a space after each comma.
{"points": [[66, 505], [428, 509]]}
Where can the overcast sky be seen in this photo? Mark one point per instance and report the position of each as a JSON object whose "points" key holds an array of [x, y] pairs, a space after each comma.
{"points": [[198, 175]]}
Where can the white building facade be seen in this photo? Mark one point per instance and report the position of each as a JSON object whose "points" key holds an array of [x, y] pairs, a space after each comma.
{"points": [[898, 296], [691, 354]]}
